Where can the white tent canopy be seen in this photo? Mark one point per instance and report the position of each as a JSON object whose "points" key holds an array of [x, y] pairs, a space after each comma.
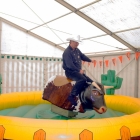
{"points": [[104, 25]]}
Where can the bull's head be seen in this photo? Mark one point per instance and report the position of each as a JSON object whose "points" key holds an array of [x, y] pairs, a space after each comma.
{"points": [[92, 98]]}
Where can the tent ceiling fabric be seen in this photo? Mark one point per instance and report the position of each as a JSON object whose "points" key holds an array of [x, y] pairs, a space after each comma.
{"points": [[118, 15], [53, 21]]}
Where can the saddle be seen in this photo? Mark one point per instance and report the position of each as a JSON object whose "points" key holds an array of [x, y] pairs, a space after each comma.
{"points": [[61, 80], [57, 91]]}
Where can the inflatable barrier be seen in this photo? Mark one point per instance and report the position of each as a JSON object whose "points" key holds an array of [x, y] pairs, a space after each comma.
{"points": [[116, 128]]}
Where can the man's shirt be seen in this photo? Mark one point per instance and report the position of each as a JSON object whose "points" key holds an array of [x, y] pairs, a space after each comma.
{"points": [[72, 59]]}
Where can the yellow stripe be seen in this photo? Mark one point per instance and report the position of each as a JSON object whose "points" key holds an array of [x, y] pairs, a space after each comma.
{"points": [[108, 128]]}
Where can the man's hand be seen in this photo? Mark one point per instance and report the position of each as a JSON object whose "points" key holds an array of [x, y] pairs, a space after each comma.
{"points": [[82, 71]]}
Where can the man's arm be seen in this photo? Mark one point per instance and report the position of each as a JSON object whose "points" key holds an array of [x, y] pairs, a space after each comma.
{"points": [[84, 57]]}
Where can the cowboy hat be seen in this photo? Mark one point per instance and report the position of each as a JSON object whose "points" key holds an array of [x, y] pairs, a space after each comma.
{"points": [[75, 38]]}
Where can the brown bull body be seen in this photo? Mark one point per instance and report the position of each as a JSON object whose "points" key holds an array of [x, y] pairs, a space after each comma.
{"points": [[58, 89]]}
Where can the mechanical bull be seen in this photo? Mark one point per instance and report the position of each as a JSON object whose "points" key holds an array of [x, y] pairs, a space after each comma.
{"points": [[58, 89]]}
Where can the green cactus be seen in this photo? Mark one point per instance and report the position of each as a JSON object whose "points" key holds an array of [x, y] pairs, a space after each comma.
{"points": [[0, 84], [109, 79]]}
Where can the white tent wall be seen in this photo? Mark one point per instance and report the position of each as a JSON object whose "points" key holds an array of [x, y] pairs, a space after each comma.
{"points": [[15, 41], [27, 73], [27, 63], [22, 73], [138, 79], [125, 70], [94, 72]]}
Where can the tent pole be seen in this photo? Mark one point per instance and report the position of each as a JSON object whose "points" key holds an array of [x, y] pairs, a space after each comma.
{"points": [[0, 42], [93, 22], [136, 79], [32, 34]]}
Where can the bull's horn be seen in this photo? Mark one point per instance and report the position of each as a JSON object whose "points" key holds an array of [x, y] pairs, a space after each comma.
{"points": [[95, 85], [107, 87]]}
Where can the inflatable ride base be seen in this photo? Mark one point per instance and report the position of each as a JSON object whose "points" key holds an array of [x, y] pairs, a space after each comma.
{"points": [[25, 116]]}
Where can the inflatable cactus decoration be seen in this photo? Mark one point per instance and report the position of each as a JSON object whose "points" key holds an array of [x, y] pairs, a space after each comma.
{"points": [[0, 84], [109, 79]]}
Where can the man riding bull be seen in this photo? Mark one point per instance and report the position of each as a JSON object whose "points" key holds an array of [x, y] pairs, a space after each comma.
{"points": [[72, 64]]}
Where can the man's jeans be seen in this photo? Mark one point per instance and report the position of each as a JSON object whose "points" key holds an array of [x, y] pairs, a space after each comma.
{"points": [[80, 79]]}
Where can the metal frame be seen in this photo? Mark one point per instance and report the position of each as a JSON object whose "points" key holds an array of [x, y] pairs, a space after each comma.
{"points": [[79, 13], [0, 58], [97, 54], [136, 79], [64, 15], [110, 53], [136, 75], [0, 42], [78, 9], [121, 31], [31, 33]]}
